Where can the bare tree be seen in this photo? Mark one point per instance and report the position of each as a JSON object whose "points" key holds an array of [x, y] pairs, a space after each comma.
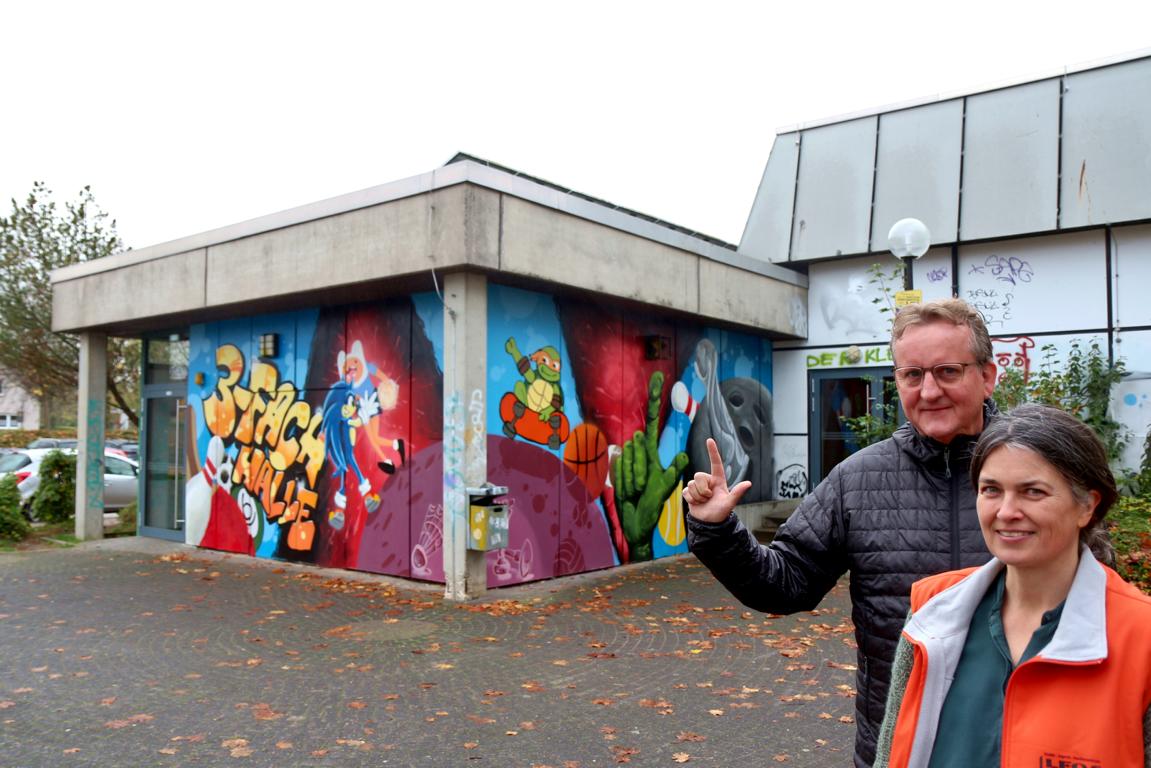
{"points": [[36, 238]]}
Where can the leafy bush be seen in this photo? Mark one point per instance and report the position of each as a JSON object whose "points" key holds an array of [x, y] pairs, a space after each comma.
{"points": [[55, 499], [1082, 387], [13, 526], [127, 524], [1129, 523], [880, 423]]}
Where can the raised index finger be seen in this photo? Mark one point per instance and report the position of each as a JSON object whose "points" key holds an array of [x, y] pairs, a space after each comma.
{"points": [[717, 470]]}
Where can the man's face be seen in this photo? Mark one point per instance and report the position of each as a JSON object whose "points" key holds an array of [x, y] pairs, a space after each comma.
{"points": [[940, 411]]}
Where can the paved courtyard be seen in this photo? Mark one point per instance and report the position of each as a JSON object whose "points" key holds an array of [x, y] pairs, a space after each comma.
{"points": [[137, 652]]}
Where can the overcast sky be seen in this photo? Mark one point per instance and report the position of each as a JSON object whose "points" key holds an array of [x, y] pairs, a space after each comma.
{"points": [[191, 116]]}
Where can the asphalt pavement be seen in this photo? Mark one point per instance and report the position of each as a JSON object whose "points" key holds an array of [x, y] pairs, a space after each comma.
{"points": [[139, 652]]}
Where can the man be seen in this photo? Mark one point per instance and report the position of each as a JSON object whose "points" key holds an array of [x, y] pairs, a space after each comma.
{"points": [[892, 513]]}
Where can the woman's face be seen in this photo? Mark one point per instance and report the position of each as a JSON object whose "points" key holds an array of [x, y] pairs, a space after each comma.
{"points": [[1029, 515]]}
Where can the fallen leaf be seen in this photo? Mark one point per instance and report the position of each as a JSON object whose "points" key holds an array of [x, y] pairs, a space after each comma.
{"points": [[847, 719], [681, 757], [168, 751], [781, 758], [716, 712], [356, 704], [689, 736], [265, 712]]}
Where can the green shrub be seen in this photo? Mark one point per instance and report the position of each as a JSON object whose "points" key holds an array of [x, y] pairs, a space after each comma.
{"points": [[1082, 387], [127, 525], [1129, 523], [13, 526], [55, 499]]}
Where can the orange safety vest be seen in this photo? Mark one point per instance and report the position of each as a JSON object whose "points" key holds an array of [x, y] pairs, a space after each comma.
{"points": [[1079, 703]]}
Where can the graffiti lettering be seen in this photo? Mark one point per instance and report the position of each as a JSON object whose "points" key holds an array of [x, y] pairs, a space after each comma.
{"points": [[477, 439], [791, 482], [848, 357], [1011, 269], [1014, 359], [936, 275], [281, 450], [454, 446], [995, 307]]}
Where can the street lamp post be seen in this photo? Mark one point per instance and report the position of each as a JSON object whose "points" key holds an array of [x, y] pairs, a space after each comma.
{"points": [[908, 239]]}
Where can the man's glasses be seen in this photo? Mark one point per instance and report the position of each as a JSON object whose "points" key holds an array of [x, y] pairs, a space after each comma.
{"points": [[946, 374]]}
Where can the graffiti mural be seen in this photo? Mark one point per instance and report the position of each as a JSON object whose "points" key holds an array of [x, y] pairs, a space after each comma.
{"points": [[319, 435], [306, 451], [638, 397]]}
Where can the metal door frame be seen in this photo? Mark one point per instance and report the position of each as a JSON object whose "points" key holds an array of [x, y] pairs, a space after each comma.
{"points": [[876, 375], [164, 390]]}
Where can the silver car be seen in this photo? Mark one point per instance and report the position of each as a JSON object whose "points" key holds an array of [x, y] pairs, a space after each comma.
{"points": [[120, 475]]}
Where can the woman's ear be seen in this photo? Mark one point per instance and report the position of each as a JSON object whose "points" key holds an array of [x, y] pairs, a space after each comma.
{"points": [[1093, 499]]}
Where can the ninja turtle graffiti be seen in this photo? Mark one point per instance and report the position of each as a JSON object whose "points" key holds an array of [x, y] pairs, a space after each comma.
{"points": [[534, 409]]}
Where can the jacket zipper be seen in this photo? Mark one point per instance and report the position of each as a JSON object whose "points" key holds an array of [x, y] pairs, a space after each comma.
{"points": [[953, 487]]}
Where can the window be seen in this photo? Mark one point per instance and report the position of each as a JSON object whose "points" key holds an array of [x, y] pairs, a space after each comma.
{"points": [[11, 462], [114, 466]]}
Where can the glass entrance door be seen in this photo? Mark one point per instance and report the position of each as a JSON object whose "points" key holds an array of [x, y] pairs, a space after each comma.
{"points": [[164, 467], [836, 396], [163, 451]]}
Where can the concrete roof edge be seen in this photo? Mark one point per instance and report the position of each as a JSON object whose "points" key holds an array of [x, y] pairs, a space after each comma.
{"points": [[333, 206], [526, 189], [446, 176]]}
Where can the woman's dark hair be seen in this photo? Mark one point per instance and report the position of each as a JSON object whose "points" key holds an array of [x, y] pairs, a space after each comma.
{"points": [[1064, 442]]}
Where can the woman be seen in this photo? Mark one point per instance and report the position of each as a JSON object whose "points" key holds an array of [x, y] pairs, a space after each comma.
{"points": [[1041, 657]]}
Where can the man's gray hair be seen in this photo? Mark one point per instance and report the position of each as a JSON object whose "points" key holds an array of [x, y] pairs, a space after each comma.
{"points": [[954, 311]]}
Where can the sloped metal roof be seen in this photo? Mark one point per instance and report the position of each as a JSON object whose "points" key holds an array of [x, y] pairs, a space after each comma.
{"points": [[1067, 151]]}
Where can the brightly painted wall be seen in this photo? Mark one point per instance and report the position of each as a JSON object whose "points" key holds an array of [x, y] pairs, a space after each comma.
{"points": [[331, 450]]}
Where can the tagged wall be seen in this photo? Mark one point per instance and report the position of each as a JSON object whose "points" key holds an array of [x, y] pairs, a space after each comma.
{"points": [[330, 449]]}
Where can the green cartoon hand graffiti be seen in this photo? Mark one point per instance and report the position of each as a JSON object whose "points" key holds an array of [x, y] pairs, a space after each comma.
{"points": [[641, 482]]}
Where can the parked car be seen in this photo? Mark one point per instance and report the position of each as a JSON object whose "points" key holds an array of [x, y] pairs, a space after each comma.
{"points": [[129, 448], [63, 443], [118, 446], [120, 473]]}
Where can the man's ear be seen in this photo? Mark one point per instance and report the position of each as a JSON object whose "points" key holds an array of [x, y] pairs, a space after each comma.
{"points": [[990, 372]]}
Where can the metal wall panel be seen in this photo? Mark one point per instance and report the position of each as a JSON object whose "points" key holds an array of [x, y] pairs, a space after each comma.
{"points": [[1131, 275], [844, 300], [1011, 161], [1131, 399], [918, 170], [768, 231], [1037, 284], [833, 197], [1107, 145]]}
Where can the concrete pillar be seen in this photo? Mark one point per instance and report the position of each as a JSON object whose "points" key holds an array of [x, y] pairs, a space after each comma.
{"points": [[465, 426], [90, 433]]}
